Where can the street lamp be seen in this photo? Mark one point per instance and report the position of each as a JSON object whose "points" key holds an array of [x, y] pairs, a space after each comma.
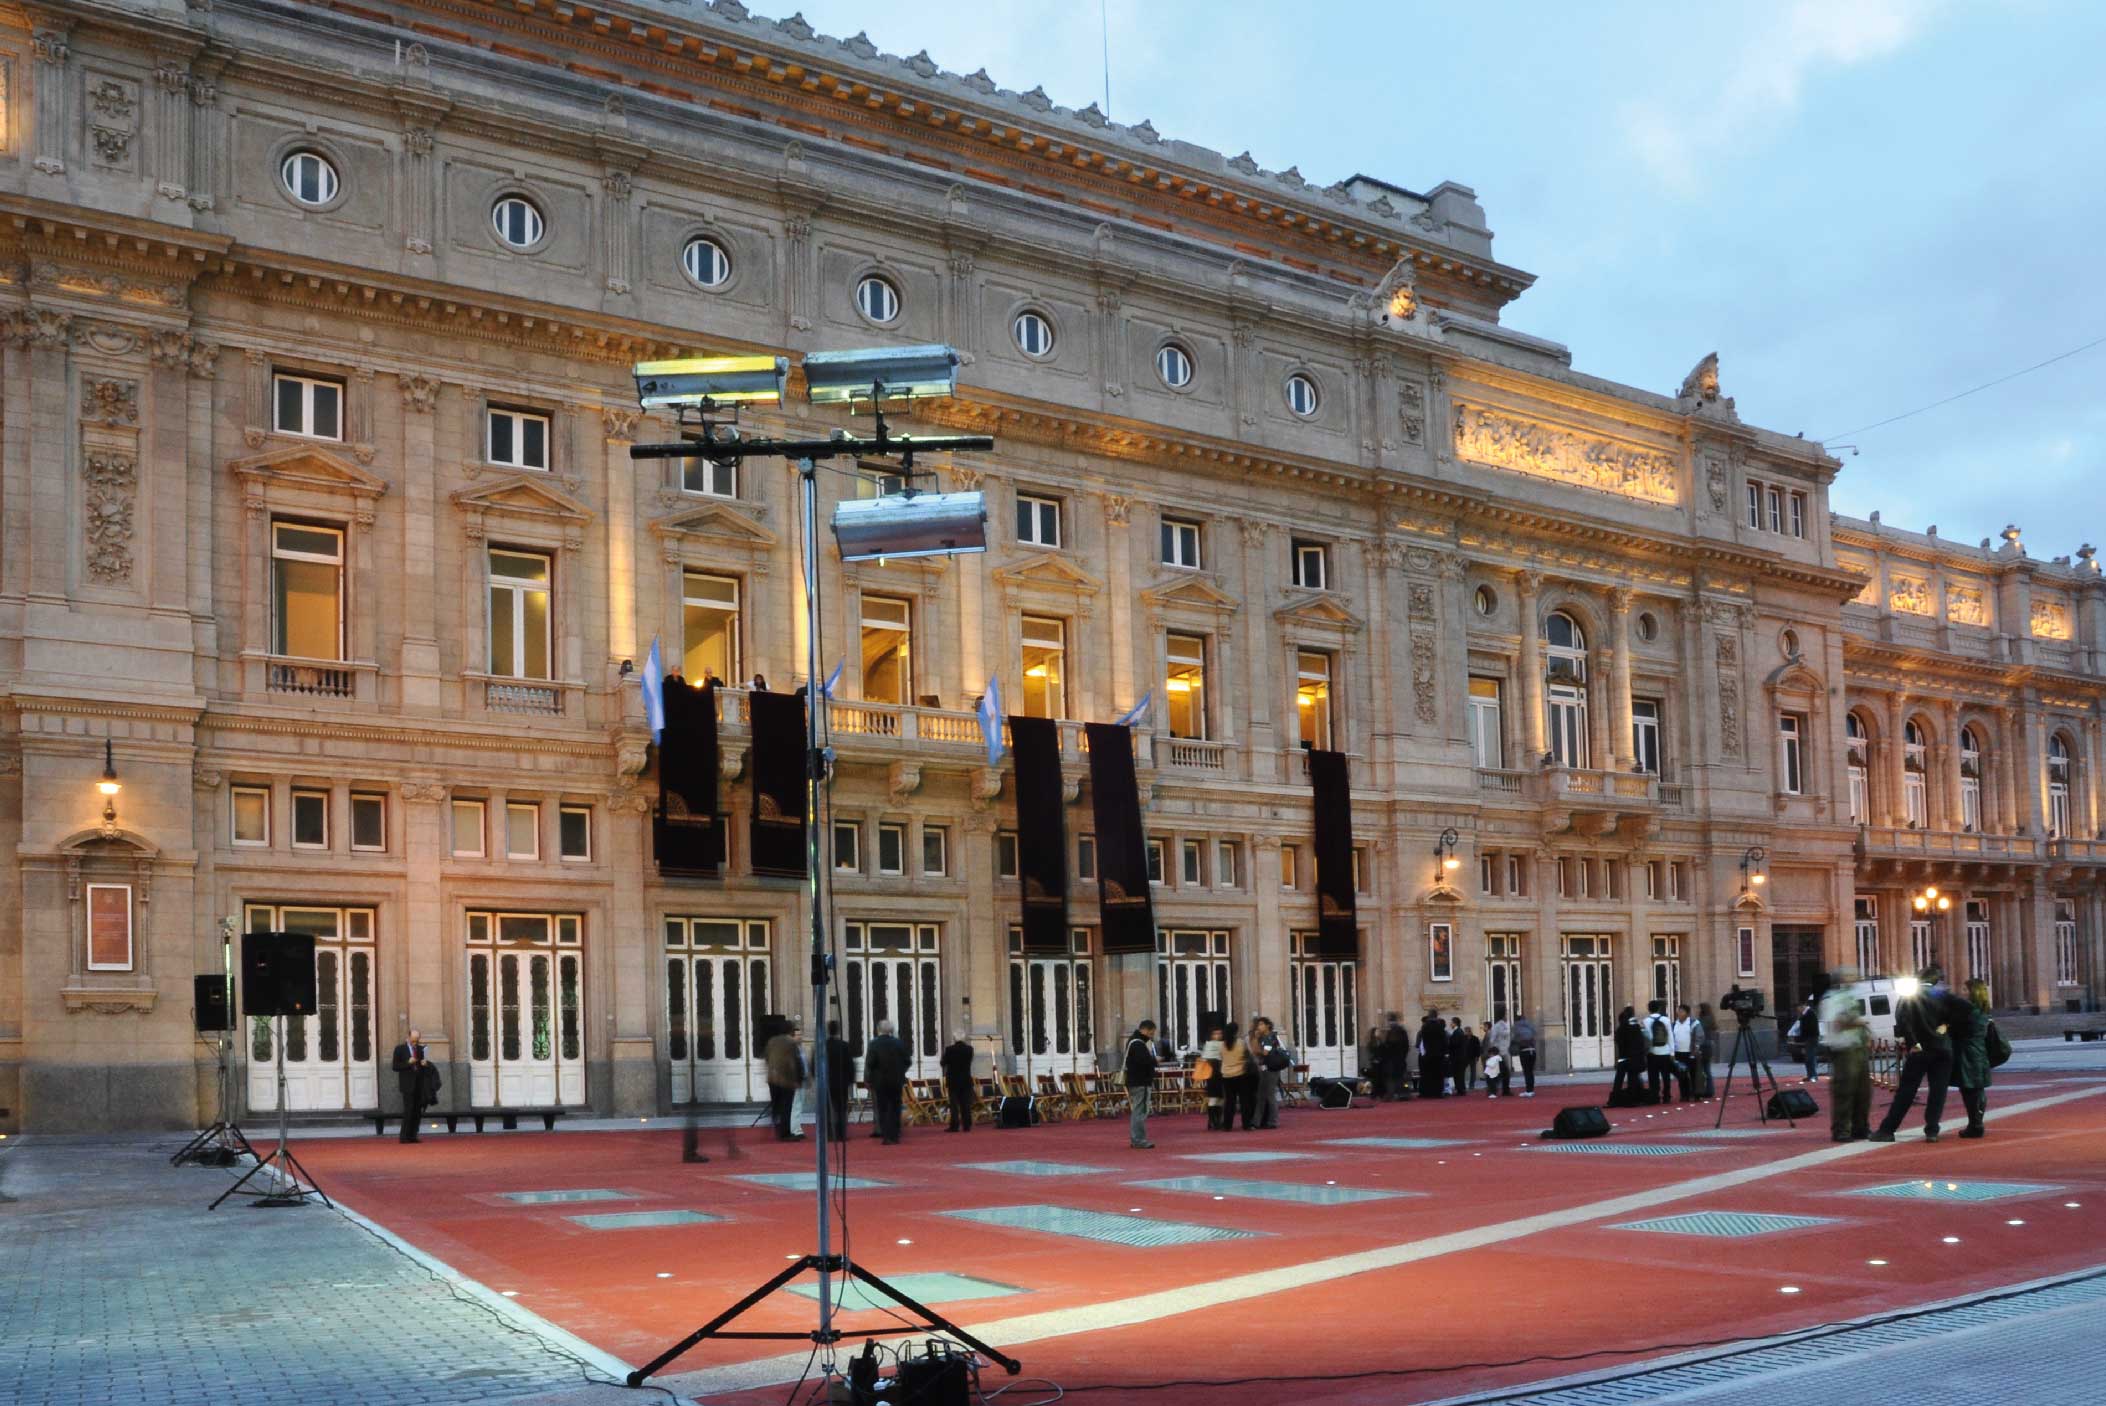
{"points": [[1444, 855], [1752, 875], [109, 785]]}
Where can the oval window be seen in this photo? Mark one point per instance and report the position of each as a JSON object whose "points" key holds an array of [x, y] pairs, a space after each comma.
{"points": [[1174, 364], [877, 299], [1485, 601], [1302, 398], [706, 262], [309, 177], [517, 222], [1648, 626], [1034, 335]]}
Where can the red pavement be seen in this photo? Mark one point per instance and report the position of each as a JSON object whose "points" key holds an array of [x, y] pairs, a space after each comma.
{"points": [[1557, 1292]]}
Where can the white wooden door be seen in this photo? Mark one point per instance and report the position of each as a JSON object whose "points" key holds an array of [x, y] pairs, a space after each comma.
{"points": [[904, 989], [1051, 1021], [1192, 979], [330, 1056], [711, 1002], [1324, 1022], [1590, 994]]}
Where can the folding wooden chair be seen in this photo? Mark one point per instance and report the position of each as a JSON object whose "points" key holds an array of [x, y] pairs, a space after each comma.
{"points": [[1079, 1104], [1107, 1100], [987, 1101], [1294, 1086], [1053, 1105]]}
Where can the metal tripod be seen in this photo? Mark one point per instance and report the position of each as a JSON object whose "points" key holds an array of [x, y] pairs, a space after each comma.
{"points": [[290, 1185], [223, 1144], [1746, 1047]]}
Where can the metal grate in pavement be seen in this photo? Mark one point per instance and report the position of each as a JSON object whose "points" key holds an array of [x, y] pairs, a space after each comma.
{"points": [[1725, 1225], [922, 1288], [1137, 1232], [1938, 1189], [1616, 1149], [642, 1220], [1725, 1133], [1301, 1193], [1246, 1156], [1024, 1167], [562, 1198], [807, 1181], [1402, 1143]]}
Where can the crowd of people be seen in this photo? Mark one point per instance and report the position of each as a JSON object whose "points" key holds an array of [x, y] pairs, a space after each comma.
{"points": [[1453, 1058]]}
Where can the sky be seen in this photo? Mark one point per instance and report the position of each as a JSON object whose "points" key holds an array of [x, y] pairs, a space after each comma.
{"points": [[1863, 206]]}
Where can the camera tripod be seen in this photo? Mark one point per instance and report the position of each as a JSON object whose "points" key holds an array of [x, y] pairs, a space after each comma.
{"points": [[1746, 1047]]}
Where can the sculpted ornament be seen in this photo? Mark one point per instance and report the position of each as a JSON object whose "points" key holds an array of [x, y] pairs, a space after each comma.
{"points": [[619, 424], [1715, 482], [429, 792], [2050, 620], [1965, 605], [1729, 695], [419, 393], [112, 402], [1910, 596], [1545, 451], [111, 482], [1422, 677]]}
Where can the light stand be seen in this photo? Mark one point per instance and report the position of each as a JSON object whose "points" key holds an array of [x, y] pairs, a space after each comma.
{"points": [[290, 1184], [223, 1144], [718, 439], [1747, 1048]]}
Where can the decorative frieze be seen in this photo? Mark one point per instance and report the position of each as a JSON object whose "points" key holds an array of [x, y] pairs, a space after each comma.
{"points": [[110, 491], [1546, 451], [1909, 595], [1966, 605], [1729, 695], [2050, 619], [1424, 684]]}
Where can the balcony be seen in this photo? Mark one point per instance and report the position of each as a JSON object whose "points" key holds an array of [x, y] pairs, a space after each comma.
{"points": [[1902, 842], [1584, 801], [294, 679], [2072, 851], [539, 699], [1196, 754]]}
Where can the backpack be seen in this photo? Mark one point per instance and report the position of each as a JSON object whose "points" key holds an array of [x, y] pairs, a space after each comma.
{"points": [[1658, 1037], [1999, 1048]]}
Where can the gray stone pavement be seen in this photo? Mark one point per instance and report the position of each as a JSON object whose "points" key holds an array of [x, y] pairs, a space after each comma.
{"points": [[118, 1286]]}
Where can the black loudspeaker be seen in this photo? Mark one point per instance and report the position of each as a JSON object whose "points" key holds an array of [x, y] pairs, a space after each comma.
{"points": [[277, 973], [1018, 1111], [1331, 1093], [210, 998], [1579, 1122], [1789, 1104], [767, 1027]]}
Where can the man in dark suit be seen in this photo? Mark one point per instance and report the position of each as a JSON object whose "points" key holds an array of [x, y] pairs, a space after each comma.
{"points": [[957, 1061], [885, 1064], [840, 1079], [418, 1079]]}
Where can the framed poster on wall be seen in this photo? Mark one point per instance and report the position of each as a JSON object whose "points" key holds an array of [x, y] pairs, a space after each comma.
{"points": [[109, 927]]}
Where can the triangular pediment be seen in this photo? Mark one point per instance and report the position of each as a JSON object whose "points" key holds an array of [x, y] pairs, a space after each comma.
{"points": [[715, 520], [1047, 570], [310, 466], [1191, 593], [523, 497], [1318, 608]]}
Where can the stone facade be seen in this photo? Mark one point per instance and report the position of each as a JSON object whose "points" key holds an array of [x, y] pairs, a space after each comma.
{"points": [[316, 504]]}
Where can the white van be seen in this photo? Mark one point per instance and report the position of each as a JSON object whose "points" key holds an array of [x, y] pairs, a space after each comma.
{"points": [[1875, 1002]]}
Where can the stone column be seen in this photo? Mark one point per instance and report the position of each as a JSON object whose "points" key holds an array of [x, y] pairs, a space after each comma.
{"points": [[2030, 756], [1273, 957], [1897, 716], [633, 1053], [1535, 726], [50, 79], [426, 950], [419, 587], [615, 236], [1620, 678], [417, 202], [1130, 676], [171, 129]]}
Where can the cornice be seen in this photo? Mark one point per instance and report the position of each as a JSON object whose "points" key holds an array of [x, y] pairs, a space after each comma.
{"points": [[593, 745], [185, 712], [1902, 663]]}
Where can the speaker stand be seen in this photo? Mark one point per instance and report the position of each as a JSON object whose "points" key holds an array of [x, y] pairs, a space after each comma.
{"points": [[1745, 1048], [289, 1183], [223, 1144]]}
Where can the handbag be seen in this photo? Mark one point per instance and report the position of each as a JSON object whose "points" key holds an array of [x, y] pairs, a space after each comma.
{"points": [[1202, 1070], [1276, 1060], [1999, 1048]]}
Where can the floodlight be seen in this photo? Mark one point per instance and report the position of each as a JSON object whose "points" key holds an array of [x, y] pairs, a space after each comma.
{"points": [[911, 525], [1906, 986], [726, 380], [880, 373]]}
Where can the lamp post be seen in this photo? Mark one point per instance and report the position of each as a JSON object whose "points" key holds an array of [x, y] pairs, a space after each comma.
{"points": [[1929, 901], [1752, 874], [109, 785], [1445, 862]]}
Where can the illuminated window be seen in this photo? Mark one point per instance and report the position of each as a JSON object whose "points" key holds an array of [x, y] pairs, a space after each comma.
{"points": [[887, 677], [1487, 745], [1312, 698], [709, 607], [307, 591], [519, 623], [522, 830], [468, 829], [251, 815], [1185, 685], [1044, 664]]}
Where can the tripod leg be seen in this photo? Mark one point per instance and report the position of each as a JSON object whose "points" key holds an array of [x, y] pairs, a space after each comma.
{"points": [[261, 1163], [303, 1184], [933, 1319], [193, 1146], [651, 1368]]}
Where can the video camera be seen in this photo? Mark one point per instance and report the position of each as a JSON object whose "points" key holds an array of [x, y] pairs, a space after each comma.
{"points": [[1746, 1005]]}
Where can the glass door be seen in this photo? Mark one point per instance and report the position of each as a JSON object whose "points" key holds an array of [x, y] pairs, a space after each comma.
{"points": [[1323, 1019], [1052, 1029], [716, 987], [526, 1039], [893, 971], [1590, 994], [330, 1063], [1192, 980], [1502, 975]]}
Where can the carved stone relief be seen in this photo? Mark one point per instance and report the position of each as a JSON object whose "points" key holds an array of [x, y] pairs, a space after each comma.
{"points": [[1421, 602], [112, 481], [2050, 619], [110, 402], [1966, 605], [1546, 451], [1729, 695], [1424, 693], [113, 106], [1715, 482], [1909, 596]]}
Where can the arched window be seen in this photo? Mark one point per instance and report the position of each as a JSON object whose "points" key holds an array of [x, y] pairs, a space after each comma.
{"points": [[2059, 767], [1858, 747], [1970, 779], [1915, 760], [1565, 692]]}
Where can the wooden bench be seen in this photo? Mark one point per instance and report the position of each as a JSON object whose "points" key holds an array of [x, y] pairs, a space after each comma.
{"points": [[508, 1118], [2073, 1034]]}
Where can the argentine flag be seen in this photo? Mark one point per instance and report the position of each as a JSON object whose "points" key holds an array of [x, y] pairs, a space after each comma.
{"points": [[833, 680], [991, 722], [1138, 713], [654, 691]]}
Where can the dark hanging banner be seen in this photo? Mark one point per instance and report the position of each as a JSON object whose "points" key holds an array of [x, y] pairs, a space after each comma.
{"points": [[1128, 913], [778, 781], [1041, 839], [1337, 919], [686, 832]]}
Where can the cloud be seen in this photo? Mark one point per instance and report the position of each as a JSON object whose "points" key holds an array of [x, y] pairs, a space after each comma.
{"points": [[1679, 129]]}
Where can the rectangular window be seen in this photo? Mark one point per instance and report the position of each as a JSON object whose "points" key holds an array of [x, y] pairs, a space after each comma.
{"points": [[1775, 502], [1655, 879], [310, 819], [2066, 942], [1915, 806], [1798, 507], [1185, 684], [892, 849], [1755, 505], [1487, 867], [468, 829], [935, 851], [1865, 929], [1791, 754], [109, 927], [1044, 662], [1193, 875], [709, 624], [1645, 735], [1005, 854], [1290, 861], [1180, 541], [519, 614], [1363, 876], [1440, 951], [252, 815], [1312, 698], [1086, 857], [308, 406], [1860, 795], [887, 635], [1312, 566], [1744, 950], [1612, 879], [1487, 745], [522, 830], [307, 591], [369, 821], [1157, 861], [574, 832], [848, 848], [517, 439], [1677, 881], [1516, 877], [710, 477], [1225, 866], [1038, 520]]}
